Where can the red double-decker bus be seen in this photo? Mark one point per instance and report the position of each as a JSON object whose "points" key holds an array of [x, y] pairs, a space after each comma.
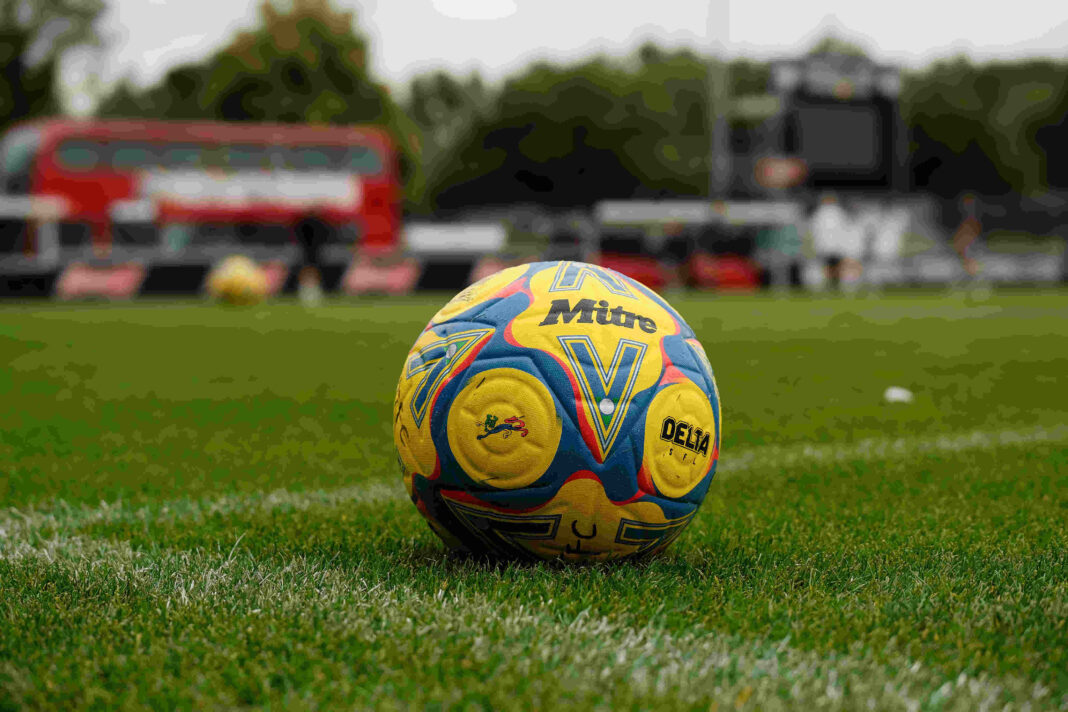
{"points": [[174, 184]]}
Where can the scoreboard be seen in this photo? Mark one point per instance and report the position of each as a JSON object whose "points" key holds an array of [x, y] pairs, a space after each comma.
{"points": [[839, 116]]}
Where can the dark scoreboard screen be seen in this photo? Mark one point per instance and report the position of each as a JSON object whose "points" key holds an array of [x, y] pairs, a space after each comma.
{"points": [[841, 118], [843, 138]]}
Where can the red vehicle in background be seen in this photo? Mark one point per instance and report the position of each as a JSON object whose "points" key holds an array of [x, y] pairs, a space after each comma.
{"points": [[174, 185]]}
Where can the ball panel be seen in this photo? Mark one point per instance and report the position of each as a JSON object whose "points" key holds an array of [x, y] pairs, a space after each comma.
{"points": [[447, 537], [503, 428], [689, 357], [415, 447], [604, 333], [579, 523], [435, 359], [477, 294], [432, 362], [571, 455], [682, 326], [680, 438]]}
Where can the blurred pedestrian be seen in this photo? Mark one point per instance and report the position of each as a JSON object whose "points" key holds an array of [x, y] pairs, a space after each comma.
{"points": [[779, 251], [887, 244], [312, 233], [854, 245], [967, 234], [831, 238]]}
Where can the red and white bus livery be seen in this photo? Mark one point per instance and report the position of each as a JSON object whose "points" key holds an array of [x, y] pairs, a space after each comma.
{"points": [[115, 180]]}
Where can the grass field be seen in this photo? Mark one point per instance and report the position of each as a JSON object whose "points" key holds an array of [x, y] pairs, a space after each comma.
{"points": [[192, 517]]}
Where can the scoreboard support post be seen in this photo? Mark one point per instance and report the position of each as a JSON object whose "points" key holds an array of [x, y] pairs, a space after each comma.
{"points": [[719, 161]]}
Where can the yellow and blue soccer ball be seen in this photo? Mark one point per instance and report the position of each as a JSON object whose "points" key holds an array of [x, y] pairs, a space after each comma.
{"points": [[238, 280], [557, 410]]}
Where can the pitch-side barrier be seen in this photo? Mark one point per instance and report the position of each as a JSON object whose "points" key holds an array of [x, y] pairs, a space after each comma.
{"points": [[37, 261]]}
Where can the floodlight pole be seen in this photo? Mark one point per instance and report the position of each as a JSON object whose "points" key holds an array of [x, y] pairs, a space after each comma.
{"points": [[718, 77]]}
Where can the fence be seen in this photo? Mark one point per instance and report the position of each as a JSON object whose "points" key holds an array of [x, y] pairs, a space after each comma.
{"points": [[665, 244]]}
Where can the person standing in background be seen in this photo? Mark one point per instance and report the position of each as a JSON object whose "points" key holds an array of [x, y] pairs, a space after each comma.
{"points": [[828, 227], [779, 251], [853, 246], [312, 233], [867, 217], [887, 244], [967, 234]]}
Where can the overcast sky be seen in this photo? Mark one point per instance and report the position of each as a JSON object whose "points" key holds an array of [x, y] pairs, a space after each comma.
{"points": [[497, 37]]}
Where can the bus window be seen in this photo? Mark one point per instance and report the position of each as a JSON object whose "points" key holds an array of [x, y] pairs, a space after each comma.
{"points": [[176, 236], [181, 155], [362, 160], [82, 155], [17, 157], [131, 154], [213, 156], [311, 159], [277, 157], [351, 159], [246, 156]]}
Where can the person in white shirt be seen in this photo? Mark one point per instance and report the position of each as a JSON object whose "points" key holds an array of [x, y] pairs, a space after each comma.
{"points": [[835, 238], [888, 241], [854, 241]]}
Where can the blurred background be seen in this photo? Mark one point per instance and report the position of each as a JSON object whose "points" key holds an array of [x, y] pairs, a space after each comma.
{"points": [[365, 146]]}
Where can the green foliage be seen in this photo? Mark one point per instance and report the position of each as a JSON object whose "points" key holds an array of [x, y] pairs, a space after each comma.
{"points": [[33, 36], [836, 45], [990, 128], [993, 127], [601, 128], [303, 64], [443, 108], [25, 92], [188, 521]]}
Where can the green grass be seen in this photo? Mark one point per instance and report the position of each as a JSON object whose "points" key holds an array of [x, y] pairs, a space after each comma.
{"points": [[192, 517]]}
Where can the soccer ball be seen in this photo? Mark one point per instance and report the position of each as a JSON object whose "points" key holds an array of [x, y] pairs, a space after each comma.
{"points": [[557, 410], [238, 280]]}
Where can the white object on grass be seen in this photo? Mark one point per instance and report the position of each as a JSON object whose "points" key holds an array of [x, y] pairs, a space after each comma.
{"points": [[897, 394]]}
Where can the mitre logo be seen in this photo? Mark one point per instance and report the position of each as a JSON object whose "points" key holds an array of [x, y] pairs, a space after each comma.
{"points": [[684, 435], [588, 311]]}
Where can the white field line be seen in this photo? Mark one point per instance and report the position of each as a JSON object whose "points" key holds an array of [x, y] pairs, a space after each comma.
{"points": [[64, 547], [772, 459], [585, 657], [63, 516], [766, 460]]}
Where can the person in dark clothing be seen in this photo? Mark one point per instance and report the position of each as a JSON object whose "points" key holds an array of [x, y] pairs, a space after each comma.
{"points": [[312, 233]]}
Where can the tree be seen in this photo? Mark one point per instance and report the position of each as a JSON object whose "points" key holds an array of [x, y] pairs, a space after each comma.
{"points": [[304, 64], [34, 34], [832, 44], [573, 135], [444, 108], [552, 139], [988, 128]]}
